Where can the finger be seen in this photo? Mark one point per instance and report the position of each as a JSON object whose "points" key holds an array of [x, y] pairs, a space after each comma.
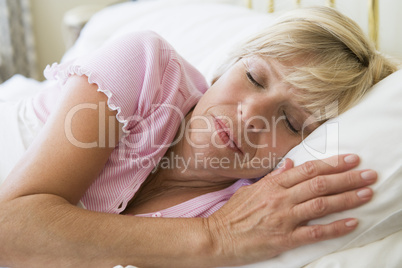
{"points": [[332, 184], [325, 205], [311, 169], [283, 166], [315, 233]]}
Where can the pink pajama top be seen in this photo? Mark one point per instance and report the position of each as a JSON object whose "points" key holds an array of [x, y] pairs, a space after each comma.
{"points": [[152, 87]]}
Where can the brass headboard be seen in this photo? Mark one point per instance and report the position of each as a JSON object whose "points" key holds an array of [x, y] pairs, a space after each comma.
{"points": [[372, 15]]}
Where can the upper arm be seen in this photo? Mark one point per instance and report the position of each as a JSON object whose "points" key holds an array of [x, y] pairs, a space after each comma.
{"points": [[72, 148]]}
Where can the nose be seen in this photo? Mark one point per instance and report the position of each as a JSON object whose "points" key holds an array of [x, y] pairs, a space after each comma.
{"points": [[255, 113]]}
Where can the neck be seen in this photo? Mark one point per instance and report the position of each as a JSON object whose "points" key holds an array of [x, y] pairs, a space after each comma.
{"points": [[175, 170]]}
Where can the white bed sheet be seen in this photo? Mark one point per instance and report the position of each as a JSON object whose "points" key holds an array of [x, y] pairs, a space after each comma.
{"points": [[16, 112]]}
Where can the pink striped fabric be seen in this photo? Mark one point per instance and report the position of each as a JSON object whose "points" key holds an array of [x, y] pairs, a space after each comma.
{"points": [[152, 88], [201, 206]]}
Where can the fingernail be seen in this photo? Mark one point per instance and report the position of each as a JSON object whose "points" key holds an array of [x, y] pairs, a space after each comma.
{"points": [[350, 159], [281, 167], [368, 175], [351, 223], [364, 193]]}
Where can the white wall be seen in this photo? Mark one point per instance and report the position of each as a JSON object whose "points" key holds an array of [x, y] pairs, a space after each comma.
{"points": [[47, 23]]}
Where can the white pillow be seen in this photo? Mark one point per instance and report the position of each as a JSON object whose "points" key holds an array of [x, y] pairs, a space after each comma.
{"points": [[373, 130], [382, 253], [202, 32]]}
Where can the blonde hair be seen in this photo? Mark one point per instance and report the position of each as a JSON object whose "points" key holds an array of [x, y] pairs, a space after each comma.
{"points": [[326, 57]]}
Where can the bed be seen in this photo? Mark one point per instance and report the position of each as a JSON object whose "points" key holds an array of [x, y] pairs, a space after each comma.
{"points": [[203, 32]]}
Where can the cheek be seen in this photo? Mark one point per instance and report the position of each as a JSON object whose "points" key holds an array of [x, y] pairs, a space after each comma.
{"points": [[232, 81], [212, 97], [278, 146], [285, 143], [198, 131]]}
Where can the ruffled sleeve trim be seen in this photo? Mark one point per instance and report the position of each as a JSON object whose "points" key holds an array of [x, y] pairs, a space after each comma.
{"points": [[57, 72]]}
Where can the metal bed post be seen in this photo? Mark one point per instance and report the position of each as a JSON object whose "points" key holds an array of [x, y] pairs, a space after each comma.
{"points": [[249, 4], [271, 6], [331, 3], [373, 21]]}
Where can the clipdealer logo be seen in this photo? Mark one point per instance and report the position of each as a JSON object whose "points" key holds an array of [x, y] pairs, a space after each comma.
{"points": [[323, 143]]}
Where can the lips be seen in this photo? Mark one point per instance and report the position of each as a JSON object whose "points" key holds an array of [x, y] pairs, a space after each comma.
{"points": [[224, 135]]}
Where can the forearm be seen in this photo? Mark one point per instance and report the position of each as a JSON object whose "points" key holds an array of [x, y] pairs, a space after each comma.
{"points": [[46, 231]]}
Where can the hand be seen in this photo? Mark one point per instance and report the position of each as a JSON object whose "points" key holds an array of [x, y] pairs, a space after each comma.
{"points": [[269, 217]]}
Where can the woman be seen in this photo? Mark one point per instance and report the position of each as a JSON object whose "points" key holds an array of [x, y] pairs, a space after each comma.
{"points": [[126, 159]]}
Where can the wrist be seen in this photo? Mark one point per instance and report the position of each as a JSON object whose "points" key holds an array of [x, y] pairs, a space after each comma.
{"points": [[217, 251], [190, 244], [203, 245]]}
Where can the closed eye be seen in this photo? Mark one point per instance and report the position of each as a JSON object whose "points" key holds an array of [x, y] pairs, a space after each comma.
{"points": [[289, 125], [253, 81]]}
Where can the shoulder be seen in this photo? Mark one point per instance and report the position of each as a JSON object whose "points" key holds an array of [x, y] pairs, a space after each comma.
{"points": [[139, 51], [142, 40]]}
